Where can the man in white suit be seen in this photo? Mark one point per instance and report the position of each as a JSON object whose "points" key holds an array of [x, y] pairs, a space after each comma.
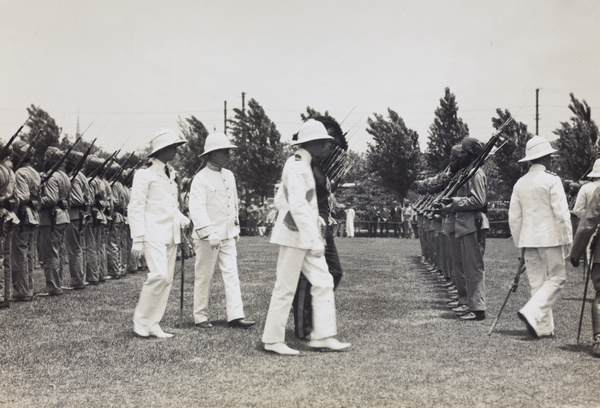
{"points": [[298, 232], [214, 212], [540, 224], [155, 222]]}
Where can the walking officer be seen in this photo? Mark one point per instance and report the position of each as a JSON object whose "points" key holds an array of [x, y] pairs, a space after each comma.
{"points": [[155, 222], [540, 224]]}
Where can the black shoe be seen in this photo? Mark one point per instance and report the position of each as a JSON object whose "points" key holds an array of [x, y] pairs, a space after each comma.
{"points": [[530, 328], [241, 323], [23, 299], [79, 287], [476, 315], [93, 283], [204, 325]]}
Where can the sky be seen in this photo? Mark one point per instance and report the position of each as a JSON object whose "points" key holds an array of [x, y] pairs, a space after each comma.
{"points": [[135, 66]]}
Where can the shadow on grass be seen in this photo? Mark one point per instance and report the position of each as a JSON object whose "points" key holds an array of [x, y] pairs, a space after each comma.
{"points": [[577, 348], [524, 336]]}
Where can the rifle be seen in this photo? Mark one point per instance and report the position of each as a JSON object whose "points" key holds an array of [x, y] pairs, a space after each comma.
{"points": [[59, 162], [181, 244], [12, 139], [587, 269], [587, 266], [463, 176], [100, 168], [131, 173], [120, 171], [512, 289], [81, 162], [31, 144]]}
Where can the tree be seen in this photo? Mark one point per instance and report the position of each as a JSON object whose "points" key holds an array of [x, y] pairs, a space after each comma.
{"points": [[395, 155], [512, 141], [578, 139], [48, 137], [259, 158], [187, 159], [446, 130]]}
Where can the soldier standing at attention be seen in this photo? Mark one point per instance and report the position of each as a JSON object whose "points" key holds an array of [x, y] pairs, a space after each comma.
{"points": [[6, 200], [468, 205], [54, 218], [587, 227], [27, 192], [540, 224], [78, 206]]}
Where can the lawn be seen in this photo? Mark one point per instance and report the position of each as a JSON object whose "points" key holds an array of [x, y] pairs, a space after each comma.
{"points": [[408, 349]]}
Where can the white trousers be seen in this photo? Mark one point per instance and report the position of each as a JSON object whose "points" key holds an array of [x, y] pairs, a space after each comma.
{"points": [[206, 259], [155, 290], [289, 264], [547, 276], [350, 228]]}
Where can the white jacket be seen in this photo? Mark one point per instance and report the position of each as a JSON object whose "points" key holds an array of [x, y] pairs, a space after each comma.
{"points": [[153, 209], [538, 215], [297, 224], [214, 203]]}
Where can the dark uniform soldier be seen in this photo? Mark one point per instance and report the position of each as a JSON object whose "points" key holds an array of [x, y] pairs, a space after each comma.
{"points": [[468, 204], [6, 203], [79, 201], [100, 193], [302, 305], [587, 226], [27, 192], [115, 226], [54, 218]]}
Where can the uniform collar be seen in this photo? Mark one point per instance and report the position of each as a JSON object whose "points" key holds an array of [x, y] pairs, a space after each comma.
{"points": [[160, 167], [537, 167], [306, 156], [213, 167]]}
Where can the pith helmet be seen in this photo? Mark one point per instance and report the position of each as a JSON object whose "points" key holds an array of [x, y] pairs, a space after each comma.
{"points": [[537, 147], [312, 130], [596, 170], [216, 141], [53, 154], [164, 138]]}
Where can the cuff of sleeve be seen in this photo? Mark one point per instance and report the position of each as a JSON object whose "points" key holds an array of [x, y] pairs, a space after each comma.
{"points": [[138, 240], [204, 233]]}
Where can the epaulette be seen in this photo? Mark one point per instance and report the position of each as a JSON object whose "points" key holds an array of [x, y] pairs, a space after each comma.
{"points": [[298, 157], [549, 172]]}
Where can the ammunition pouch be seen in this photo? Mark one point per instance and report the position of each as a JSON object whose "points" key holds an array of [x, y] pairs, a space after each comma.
{"points": [[10, 204], [63, 204], [34, 204]]}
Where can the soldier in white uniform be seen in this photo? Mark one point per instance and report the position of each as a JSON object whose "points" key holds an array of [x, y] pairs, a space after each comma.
{"points": [[540, 224], [214, 212], [302, 248], [584, 196], [155, 222]]}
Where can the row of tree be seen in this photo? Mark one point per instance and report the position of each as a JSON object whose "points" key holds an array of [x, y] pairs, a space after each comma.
{"points": [[385, 172]]}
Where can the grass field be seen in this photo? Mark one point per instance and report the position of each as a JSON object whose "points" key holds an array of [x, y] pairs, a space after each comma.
{"points": [[408, 349]]}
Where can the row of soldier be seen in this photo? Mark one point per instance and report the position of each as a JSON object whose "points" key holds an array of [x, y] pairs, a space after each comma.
{"points": [[453, 226], [452, 234], [76, 208]]}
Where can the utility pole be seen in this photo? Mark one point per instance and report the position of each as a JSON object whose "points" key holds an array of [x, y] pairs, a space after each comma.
{"points": [[243, 101], [225, 118], [537, 116]]}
